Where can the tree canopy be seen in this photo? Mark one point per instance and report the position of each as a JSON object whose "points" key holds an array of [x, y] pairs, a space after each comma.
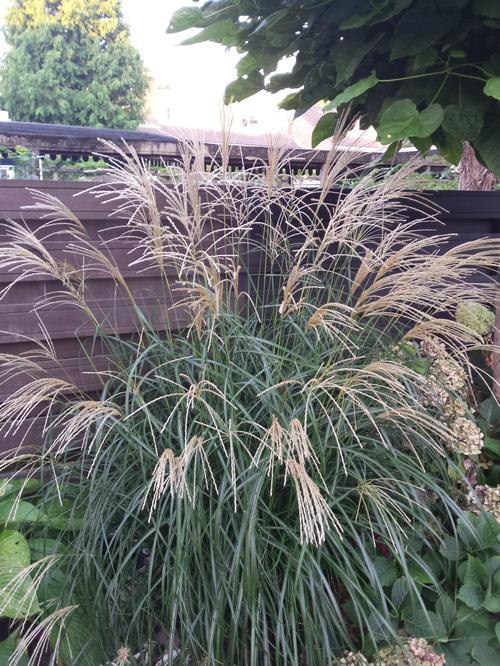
{"points": [[427, 71], [71, 62]]}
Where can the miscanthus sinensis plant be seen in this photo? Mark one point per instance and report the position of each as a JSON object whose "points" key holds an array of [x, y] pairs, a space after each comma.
{"points": [[242, 477]]}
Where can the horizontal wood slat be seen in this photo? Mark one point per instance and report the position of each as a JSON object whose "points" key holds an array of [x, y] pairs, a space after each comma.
{"points": [[81, 357]]}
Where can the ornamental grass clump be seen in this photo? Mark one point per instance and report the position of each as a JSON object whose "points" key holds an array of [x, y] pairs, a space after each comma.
{"points": [[243, 476]]}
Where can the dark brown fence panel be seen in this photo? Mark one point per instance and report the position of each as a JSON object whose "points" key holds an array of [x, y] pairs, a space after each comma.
{"points": [[81, 358]]}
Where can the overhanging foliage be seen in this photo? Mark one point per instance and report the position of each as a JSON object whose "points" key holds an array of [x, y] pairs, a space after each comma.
{"points": [[423, 70]]}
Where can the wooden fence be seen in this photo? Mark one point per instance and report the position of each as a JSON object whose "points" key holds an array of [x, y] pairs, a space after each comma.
{"points": [[470, 215]]}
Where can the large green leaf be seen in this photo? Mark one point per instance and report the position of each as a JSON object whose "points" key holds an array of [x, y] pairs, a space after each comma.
{"points": [[492, 602], [7, 649], [222, 32], [420, 28], [381, 12], [15, 486], [351, 92], [324, 128], [488, 146], [465, 124], [17, 596], [486, 655], [489, 8], [402, 120], [492, 445], [184, 18], [14, 548], [472, 595], [14, 513], [476, 573], [426, 625], [492, 87], [243, 88], [348, 54]]}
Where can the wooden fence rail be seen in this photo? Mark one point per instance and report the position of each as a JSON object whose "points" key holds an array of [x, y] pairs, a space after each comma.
{"points": [[469, 216]]}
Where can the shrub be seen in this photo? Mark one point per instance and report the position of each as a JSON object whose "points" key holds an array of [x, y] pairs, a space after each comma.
{"points": [[249, 484]]}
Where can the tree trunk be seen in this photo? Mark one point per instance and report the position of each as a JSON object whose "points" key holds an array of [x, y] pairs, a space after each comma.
{"points": [[473, 175]]}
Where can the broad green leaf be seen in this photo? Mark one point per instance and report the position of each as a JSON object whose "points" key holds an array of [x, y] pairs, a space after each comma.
{"points": [[488, 148], [382, 629], [425, 59], [492, 87], [14, 547], [472, 595], [41, 547], [399, 591], [253, 62], [492, 603], [465, 124], [76, 641], [184, 18], [457, 653], [7, 649], [222, 32], [451, 548], [450, 147], [488, 8], [291, 101], [489, 409], [392, 151], [382, 12], [497, 631], [243, 88], [419, 29], [14, 513], [272, 20], [446, 609], [348, 54], [426, 625], [401, 120], [386, 572], [351, 92], [420, 574], [62, 515], [492, 445], [17, 595], [476, 573], [15, 486], [324, 128], [422, 145], [486, 655]]}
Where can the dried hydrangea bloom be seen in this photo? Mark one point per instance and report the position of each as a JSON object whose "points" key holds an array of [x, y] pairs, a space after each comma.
{"points": [[122, 656], [454, 408], [486, 498], [435, 395], [476, 317], [468, 437], [415, 652], [352, 659], [449, 373], [433, 348]]}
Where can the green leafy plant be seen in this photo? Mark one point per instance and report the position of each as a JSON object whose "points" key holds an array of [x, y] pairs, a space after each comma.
{"points": [[423, 70], [247, 474], [33, 552]]}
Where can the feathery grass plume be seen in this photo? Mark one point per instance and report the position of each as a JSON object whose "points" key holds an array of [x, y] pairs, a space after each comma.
{"points": [[168, 476], [315, 516], [282, 436]]}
